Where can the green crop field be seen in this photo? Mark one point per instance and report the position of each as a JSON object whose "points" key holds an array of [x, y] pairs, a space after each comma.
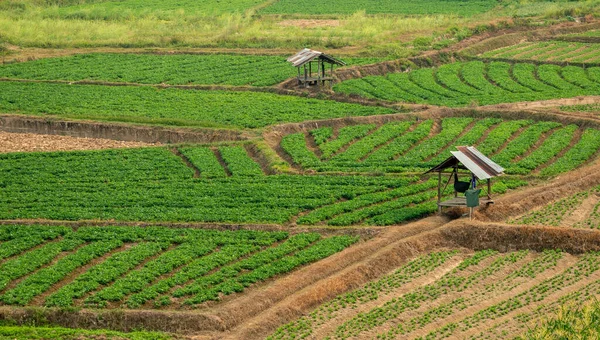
{"points": [[210, 69], [127, 265], [572, 52], [163, 174], [416, 146], [485, 295], [458, 7], [461, 84], [153, 184], [170, 106], [47, 333]]}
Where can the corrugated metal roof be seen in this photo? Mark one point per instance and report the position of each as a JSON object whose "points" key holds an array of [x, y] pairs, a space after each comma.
{"points": [[472, 159], [308, 55]]}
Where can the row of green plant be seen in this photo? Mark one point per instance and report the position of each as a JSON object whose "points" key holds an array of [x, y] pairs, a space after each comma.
{"points": [[461, 84], [170, 106]]}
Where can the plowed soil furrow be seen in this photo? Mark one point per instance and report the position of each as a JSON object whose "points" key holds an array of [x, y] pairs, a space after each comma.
{"points": [[186, 161], [531, 307], [576, 137], [436, 128], [563, 264], [60, 256], [543, 56], [81, 300], [486, 134], [329, 327], [45, 242], [536, 145], [258, 157], [410, 129], [576, 52], [510, 139], [138, 267], [222, 161], [347, 145], [312, 145], [451, 143], [40, 299]]}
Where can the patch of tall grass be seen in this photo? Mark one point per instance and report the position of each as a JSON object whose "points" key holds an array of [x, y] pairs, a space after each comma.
{"points": [[571, 322]]}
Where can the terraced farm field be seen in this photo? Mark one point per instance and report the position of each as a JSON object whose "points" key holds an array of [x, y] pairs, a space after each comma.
{"points": [[521, 146], [109, 267], [178, 69], [581, 210], [154, 184], [457, 7], [170, 106], [456, 294], [563, 51], [476, 82]]}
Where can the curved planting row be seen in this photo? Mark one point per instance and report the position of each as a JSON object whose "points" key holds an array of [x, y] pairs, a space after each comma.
{"points": [[476, 82], [135, 267], [523, 147], [485, 295], [573, 52]]}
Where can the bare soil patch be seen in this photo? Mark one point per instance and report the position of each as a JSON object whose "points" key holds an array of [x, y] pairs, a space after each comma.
{"points": [[29, 142], [309, 23]]}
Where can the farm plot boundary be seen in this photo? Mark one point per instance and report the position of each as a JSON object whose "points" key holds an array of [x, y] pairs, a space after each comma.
{"points": [[117, 131], [527, 35], [344, 275]]}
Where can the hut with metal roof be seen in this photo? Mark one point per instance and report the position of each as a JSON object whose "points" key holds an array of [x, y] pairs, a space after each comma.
{"points": [[312, 67], [467, 160]]}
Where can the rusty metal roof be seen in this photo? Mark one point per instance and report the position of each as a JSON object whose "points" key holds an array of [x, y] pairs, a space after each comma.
{"points": [[308, 55], [473, 160]]}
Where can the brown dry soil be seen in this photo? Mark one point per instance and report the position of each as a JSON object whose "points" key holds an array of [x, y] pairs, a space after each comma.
{"points": [[29, 142]]}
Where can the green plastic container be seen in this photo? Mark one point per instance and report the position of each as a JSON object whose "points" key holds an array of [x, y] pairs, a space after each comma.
{"points": [[472, 196]]}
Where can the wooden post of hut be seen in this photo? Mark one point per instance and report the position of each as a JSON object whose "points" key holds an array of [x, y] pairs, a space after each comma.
{"points": [[304, 60], [467, 160]]}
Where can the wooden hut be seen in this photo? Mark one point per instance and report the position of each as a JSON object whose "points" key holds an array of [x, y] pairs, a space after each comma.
{"points": [[467, 160], [314, 67]]}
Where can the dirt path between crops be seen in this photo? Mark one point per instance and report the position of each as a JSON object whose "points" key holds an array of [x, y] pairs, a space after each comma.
{"points": [[29, 142]]}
